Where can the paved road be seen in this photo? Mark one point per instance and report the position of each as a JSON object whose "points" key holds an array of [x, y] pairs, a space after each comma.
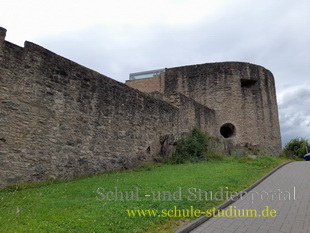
{"points": [[287, 191]]}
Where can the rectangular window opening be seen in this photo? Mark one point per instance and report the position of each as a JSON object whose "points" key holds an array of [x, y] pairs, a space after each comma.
{"points": [[247, 83]]}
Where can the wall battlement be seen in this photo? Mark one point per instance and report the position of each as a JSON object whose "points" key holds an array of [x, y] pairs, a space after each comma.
{"points": [[61, 120], [2, 34]]}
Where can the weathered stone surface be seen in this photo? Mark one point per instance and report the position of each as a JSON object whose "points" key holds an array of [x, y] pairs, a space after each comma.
{"points": [[60, 120], [242, 95]]}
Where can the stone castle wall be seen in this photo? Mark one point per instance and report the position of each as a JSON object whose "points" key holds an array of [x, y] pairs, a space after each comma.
{"points": [[243, 96], [60, 120]]}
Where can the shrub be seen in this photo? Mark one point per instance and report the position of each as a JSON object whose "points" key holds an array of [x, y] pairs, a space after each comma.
{"points": [[193, 148]]}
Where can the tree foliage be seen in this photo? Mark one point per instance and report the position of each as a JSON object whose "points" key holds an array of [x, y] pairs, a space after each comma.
{"points": [[297, 147]]}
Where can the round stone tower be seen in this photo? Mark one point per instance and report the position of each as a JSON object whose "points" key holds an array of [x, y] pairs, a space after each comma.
{"points": [[243, 96]]}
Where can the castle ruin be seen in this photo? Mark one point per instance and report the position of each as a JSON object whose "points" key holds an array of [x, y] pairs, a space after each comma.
{"points": [[60, 120]]}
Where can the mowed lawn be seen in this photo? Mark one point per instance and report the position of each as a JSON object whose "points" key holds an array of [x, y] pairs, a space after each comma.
{"points": [[77, 206]]}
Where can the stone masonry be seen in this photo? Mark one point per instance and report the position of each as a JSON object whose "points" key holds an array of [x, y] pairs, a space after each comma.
{"points": [[242, 95], [60, 120]]}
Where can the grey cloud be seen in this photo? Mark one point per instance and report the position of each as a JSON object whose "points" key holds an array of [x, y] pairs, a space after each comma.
{"points": [[294, 110]]}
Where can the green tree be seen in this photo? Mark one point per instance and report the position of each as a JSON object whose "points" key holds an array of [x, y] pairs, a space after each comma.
{"points": [[297, 147]]}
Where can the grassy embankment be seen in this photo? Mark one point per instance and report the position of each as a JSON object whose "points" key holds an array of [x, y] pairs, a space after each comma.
{"points": [[73, 206]]}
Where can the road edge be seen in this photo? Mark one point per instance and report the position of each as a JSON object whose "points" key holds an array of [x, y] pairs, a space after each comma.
{"points": [[194, 224]]}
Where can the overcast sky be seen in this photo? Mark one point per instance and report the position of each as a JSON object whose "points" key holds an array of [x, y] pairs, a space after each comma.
{"points": [[118, 37]]}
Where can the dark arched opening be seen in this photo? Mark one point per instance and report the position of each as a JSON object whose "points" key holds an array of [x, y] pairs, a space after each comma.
{"points": [[228, 130]]}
